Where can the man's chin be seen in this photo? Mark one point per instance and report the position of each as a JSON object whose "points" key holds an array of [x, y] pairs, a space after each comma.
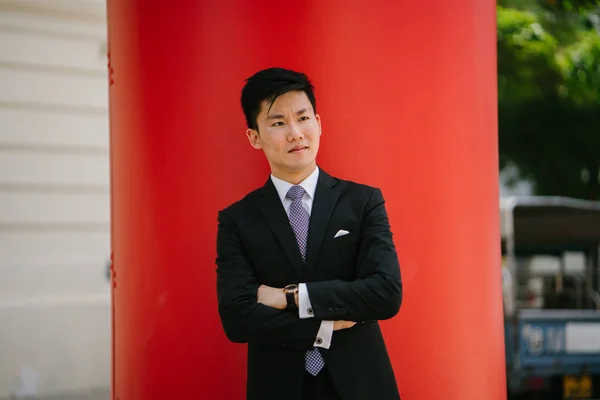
{"points": [[298, 167], [294, 168]]}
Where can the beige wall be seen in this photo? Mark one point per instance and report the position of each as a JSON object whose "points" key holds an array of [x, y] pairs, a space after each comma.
{"points": [[54, 198]]}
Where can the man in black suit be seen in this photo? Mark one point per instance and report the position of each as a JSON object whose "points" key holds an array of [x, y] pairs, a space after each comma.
{"points": [[306, 265]]}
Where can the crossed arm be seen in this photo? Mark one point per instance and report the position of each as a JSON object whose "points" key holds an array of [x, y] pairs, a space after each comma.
{"points": [[253, 313]]}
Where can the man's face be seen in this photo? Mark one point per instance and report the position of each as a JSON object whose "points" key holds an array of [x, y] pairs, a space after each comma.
{"points": [[288, 133]]}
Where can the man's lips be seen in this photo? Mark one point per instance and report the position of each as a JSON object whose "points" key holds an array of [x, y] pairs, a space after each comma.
{"points": [[297, 149]]}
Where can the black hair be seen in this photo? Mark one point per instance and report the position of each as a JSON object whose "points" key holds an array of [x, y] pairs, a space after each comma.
{"points": [[268, 85]]}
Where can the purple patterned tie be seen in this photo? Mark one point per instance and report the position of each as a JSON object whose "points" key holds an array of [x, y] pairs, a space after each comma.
{"points": [[299, 219]]}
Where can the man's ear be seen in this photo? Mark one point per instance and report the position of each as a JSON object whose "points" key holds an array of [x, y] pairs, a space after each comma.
{"points": [[254, 138], [318, 117]]}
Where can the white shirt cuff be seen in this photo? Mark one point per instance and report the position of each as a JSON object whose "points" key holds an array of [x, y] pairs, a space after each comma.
{"points": [[304, 307], [324, 335]]}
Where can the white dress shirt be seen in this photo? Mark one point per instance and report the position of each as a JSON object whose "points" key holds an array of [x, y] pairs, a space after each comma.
{"points": [[305, 309]]}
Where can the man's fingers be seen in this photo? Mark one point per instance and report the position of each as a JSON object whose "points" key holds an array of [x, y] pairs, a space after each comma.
{"points": [[338, 325]]}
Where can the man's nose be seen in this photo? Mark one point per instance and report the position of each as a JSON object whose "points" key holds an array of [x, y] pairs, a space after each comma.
{"points": [[295, 132]]}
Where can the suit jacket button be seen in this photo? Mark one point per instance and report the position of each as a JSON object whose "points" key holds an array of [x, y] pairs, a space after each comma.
{"points": [[329, 311], [336, 311], [342, 311]]}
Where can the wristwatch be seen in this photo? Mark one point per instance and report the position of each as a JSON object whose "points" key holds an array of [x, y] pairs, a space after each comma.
{"points": [[290, 292]]}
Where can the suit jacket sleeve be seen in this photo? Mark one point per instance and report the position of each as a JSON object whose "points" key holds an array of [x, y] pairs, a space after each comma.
{"points": [[243, 319], [376, 293]]}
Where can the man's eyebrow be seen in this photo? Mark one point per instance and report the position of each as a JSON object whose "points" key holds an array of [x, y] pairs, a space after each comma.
{"points": [[280, 116], [302, 111]]}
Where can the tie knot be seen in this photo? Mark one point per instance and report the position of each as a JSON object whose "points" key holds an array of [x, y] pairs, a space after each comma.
{"points": [[295, 192]]}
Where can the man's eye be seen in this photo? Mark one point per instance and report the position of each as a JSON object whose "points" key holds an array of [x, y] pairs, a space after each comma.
{"points": [[303, 118], [279, 123]]}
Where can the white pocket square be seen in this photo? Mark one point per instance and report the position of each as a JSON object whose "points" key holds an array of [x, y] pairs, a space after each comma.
{"points": [[341, 232]]}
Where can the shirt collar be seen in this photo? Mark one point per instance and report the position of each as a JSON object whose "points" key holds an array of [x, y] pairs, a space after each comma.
{"points": [[309, 184]]}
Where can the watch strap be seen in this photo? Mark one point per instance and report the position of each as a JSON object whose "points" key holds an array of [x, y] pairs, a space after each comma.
{"points": [[291, 301]]}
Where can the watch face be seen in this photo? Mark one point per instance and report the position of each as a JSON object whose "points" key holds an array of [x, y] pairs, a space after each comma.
{"points": [[291, 288]]}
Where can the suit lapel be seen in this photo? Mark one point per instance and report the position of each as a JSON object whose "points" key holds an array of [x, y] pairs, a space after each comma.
{"points": [[272, 210], [326, 196]]}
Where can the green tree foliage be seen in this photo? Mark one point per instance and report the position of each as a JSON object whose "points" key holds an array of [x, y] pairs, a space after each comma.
{"points": [[549, 94]]}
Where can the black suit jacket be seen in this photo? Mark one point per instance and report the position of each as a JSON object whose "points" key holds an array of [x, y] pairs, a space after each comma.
{"points": [[355, 277]]}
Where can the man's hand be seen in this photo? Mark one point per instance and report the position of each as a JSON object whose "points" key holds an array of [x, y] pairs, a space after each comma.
{"points": [[272, 297], [339, 325]]}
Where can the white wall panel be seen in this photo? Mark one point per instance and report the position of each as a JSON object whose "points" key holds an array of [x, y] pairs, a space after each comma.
{"points": [[30, 286], [25, 127], [35, 49], [54, 198], [66, 90], [52, 248], [54, 208], [53, 169], [83, 28]]}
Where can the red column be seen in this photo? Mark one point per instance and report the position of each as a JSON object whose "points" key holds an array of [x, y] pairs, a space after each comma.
{"points": [[407, 95]]}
